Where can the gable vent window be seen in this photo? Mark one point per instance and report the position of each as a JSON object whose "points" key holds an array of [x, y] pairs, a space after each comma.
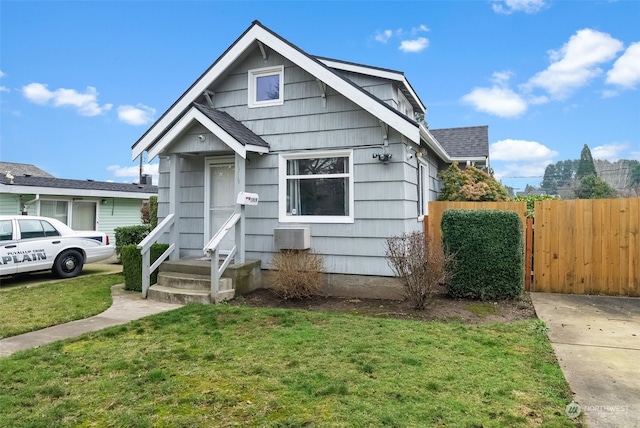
{"points": [[266, 86]]}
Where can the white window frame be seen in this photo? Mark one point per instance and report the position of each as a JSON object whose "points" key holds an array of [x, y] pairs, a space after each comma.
{"points": [[282, 187], [423, 189], [253, 84]]}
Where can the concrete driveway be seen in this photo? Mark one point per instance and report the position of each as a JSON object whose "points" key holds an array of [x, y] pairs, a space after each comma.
{"points": [[597, 342]]}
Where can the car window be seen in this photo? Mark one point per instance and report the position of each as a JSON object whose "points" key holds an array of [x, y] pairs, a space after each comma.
{"points": [[6, 230], [36, 229], [49, 230]]}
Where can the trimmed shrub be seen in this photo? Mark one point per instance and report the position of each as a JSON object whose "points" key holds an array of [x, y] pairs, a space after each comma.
{"points": [[423, 268], [132, 265], [488, 252], [297, 274], [130, 235]]}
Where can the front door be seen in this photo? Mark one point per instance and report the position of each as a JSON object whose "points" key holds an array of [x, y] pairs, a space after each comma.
{"points": [[219, 198]]}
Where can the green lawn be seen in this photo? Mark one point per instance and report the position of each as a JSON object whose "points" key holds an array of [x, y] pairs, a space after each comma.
{"points": [[29, 308], [210, 366]]}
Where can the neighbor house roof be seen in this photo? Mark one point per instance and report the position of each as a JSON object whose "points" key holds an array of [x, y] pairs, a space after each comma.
{"points": [[60, 186], [464, 143], [175, 115], [22, 169]]}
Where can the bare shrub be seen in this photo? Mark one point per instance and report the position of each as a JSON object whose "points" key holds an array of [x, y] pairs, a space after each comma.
{"points": [[297, 274], [422, 267]]}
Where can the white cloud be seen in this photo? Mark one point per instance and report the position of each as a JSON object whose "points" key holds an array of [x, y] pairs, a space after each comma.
{"points": [[4, 89], [86, 103], [509, 6], [420, 29], [383, 36], [611, 152], [136, 115], [133, 172], [497, 101], [2, 74], [626, 69], [521, 150], [415, 45], [576, 63], [520, 170]]}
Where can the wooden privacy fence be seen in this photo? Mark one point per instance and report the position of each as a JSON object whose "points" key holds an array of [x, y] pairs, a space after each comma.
{"points": [[577, 246], [587, 246]]}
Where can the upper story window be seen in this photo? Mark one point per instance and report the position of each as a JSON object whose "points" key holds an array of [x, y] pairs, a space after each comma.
{"points": [[316, 187], [266, 86]]}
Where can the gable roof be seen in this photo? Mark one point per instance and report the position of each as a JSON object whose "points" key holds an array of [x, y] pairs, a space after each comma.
{"points": [[384, 73], [22, 169], [464, 143], [62, 186], [258, 33]]}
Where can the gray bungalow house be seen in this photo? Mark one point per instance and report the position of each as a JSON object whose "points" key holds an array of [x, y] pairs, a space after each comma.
{"points": [[81, 204], [329, 149]]}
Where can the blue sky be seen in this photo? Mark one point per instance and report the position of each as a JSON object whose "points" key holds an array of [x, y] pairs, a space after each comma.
{"points": [[82, 81]]}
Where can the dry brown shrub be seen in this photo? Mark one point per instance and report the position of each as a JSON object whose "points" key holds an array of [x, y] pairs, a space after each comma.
{"points": [[422, 267], [297, 274]]}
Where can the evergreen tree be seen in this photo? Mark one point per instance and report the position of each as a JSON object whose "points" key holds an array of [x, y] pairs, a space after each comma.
{"points": [[593, 187], [585, 165]]}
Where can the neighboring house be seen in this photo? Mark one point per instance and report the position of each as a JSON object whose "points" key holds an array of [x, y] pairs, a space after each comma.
{"points": [[81, 204], [331, 148]]}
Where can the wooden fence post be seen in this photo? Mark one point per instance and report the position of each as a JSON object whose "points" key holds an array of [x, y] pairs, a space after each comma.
{"points": [[528, 256]]}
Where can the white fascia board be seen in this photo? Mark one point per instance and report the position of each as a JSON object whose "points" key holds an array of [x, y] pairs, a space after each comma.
{"points": [[257, 149], [185, 121], [68, 192], [198, 88], [375, 72], [433, 144], [404, 126]]}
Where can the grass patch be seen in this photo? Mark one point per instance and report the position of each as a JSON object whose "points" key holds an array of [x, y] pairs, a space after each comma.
{"points": [[223, 365], [483, 309], [27, 309]]}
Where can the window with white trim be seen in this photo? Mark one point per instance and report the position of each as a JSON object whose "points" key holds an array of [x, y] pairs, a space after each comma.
{"points": [[266, 86], [423, 189], [55, 209], [316, 187]]}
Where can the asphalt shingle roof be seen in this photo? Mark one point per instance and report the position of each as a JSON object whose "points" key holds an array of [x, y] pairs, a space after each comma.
{"points": [[62, 183], [235, 128], [24, 169], [467, 142]]}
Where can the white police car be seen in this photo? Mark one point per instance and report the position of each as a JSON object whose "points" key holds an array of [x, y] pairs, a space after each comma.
{"points": [[32, 243]]}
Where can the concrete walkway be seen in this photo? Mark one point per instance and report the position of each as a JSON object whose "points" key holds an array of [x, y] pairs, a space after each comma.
{"points": [[127, 306], [597, 342]]}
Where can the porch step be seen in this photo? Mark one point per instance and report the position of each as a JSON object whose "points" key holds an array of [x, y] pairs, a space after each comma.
{"points": [[194, 266], [183, 288], [161, 293], [185, 281]]}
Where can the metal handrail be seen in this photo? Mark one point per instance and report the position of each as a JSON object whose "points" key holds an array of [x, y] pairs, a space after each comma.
{"points": [[145, 245], [212, 250]]}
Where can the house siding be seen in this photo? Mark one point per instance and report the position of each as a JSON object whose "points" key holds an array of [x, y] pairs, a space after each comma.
{"points": [[385, 195], [118, 212], [9, 204]]}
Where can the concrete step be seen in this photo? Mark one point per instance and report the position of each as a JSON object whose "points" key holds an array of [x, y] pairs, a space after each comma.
{"points": [[165, 294], [198, 266], [185, 281]]}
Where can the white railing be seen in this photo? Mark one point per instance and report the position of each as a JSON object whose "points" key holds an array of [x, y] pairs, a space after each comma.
{"points": [[212, 249], [144, 247]]}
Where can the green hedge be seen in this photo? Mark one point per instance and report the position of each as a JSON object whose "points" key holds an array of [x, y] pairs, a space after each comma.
{"points": [[489, 253], [132, 265], [130, 235]]}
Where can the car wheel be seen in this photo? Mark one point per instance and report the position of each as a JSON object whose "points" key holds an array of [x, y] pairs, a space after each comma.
{"points": [[68, 264]]}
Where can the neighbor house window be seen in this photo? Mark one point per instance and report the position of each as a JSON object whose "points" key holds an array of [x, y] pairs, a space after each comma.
{"points": [[55, 209], [316, 187], [266, 86], [423, 189]]}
